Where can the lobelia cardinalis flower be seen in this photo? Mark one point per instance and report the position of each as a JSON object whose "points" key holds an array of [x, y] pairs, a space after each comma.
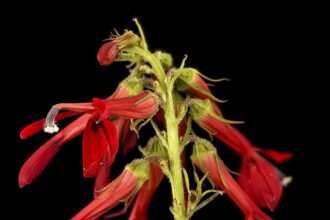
{"points": [[140, 106], [259, 179], [205, 157], [122, 189]]}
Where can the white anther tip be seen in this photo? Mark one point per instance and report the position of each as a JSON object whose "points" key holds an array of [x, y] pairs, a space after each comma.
{"points": [[51, 129], [286, 180]]}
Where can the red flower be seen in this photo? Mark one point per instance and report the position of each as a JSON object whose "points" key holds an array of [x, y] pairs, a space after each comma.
{"points": [[108, 53], [100, 139], [120, 190], [258, 177], [206, 159], [142, 202]]}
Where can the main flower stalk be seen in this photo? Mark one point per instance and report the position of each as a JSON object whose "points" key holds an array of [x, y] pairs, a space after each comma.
{"points": [[173, 145], [174, 152]]}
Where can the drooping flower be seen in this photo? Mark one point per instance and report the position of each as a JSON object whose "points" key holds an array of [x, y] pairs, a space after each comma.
{"points": [[140, 106], [207, 160], [122, 189], [257, 176]]}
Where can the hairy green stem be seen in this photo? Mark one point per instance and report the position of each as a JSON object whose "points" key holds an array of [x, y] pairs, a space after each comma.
{"points": [[174, 152], [173, 144]]}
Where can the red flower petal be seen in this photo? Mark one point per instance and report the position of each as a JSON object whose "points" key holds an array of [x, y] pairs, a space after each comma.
{"points": [[112, 139], [40, 159], [260, 181], [102, 179], [99, 140], [95, 147], [128, 138], [102, 107], [278, 157], [38, 126]]}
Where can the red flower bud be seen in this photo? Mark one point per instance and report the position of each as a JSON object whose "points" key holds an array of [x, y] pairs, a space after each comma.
{"points": [[108, 53]]}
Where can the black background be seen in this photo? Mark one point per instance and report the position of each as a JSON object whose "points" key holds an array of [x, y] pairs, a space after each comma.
{"points": [[52, 59]]}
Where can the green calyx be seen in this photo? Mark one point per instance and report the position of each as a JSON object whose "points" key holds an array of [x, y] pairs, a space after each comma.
{"points": [[128, 39], [201, 148], [140, 168], [186, 79], [133, 85], [200, 108], [154, 148]]}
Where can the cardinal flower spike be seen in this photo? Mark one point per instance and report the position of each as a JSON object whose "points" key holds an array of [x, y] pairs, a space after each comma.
{"points": [[170, 99]]}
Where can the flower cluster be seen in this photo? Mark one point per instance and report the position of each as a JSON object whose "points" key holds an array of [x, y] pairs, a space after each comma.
{"points": [[170, 99]]}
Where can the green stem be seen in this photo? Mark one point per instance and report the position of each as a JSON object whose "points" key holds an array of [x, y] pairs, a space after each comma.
{"points": [[174, 152], [172, 124]]}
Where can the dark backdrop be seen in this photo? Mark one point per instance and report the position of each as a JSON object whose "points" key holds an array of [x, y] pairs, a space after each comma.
{"points": [[52, 59]]}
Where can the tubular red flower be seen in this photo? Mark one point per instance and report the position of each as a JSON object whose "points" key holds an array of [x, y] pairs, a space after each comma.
{"points": [[40, 159], [258, 177], [208, 162], [140, 106], [121, 189], [108, 53], [226, 133], [142, 202]]}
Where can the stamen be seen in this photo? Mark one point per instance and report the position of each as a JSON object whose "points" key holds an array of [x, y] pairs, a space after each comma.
{"points": [[285, 180], [50, 126]]}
